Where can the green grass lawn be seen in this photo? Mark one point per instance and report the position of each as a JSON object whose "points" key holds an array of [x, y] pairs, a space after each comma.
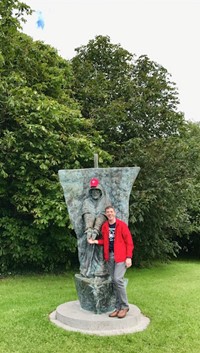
{"points": [[169, 294]]}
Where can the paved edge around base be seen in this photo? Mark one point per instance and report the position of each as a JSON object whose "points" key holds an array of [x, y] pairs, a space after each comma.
{"points": [[140, 326]]}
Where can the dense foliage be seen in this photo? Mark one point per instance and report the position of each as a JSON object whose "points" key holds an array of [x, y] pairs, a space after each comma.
{"points": [[127, 99], [134, 105], [56, 114], [42, 131]]}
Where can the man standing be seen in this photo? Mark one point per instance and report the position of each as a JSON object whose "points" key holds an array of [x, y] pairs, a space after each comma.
{"points": [[118, 251]]}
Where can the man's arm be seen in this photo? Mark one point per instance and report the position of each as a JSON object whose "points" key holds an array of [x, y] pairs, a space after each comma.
{"points": [[95, 241], [129, 244]]}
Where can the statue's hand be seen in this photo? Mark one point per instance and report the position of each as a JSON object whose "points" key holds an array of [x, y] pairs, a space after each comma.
{"points": [[88, 233], [95, 233]]}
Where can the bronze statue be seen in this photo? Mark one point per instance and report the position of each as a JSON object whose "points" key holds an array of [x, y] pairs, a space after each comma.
{"points": [[87, 193], [93, 212]]}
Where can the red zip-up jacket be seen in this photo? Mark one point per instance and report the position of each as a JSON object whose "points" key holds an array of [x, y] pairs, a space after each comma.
{"points": [[123, 242]]}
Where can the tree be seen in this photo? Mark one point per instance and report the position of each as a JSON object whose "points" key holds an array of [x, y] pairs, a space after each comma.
{"points": [[41, 131], [135, 107], [190, 241], [12, 13], [165, 195], [125, 98]]}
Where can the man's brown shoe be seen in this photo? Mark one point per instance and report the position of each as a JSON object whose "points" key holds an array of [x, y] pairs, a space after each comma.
{"points": [[114, 313], [122, 313]]}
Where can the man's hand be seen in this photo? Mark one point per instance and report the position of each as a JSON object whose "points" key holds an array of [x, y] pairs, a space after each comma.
{"points": [[128, 262], [92, 241]]}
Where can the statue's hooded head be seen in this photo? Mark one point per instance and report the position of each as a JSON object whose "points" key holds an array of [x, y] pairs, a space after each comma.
{"points": [[95, 190]]}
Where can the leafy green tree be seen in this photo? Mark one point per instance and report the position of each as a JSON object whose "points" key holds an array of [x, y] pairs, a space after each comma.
{"points": [[43, 69], [12, 14], [102, 74], [164, 205], [125, 98], [41, 131], [45, 136], [135, 107], [190, 241]]}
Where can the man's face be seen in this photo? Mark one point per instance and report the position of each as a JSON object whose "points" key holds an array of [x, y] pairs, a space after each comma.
{"points": [[96, 193], [110, 214]]}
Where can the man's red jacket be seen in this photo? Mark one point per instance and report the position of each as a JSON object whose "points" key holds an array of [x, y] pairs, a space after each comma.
{"points": [[123, 242]]}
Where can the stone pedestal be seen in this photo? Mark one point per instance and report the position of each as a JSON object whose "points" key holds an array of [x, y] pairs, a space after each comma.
{"points": [[71, 317], [95, 294]]}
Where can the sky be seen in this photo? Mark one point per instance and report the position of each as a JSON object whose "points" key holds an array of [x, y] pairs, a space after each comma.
{"points": [[167, 31]]}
